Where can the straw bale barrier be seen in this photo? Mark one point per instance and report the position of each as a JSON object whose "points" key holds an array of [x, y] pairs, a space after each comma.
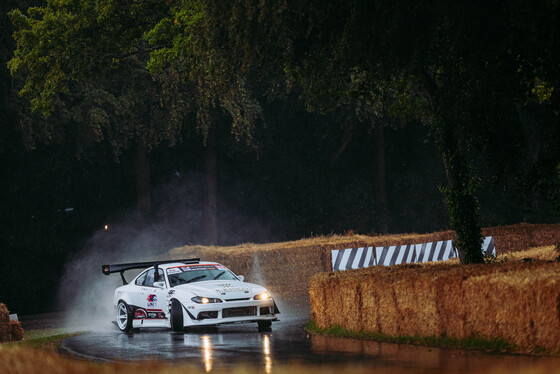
{"points": [[522, 236], [10, 331], [515, 301], [285, 268], [16, 331], [4, 324]]}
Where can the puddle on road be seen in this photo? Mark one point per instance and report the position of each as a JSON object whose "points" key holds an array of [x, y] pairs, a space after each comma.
{"points": [[436, 360]]}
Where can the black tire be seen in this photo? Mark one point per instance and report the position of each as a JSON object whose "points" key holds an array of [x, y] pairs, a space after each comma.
{"points": [[176, 319], [124, 316], [264, 325]]}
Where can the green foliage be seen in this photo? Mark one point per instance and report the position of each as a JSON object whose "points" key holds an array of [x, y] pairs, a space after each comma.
{"points": [[373, 97], [197, 40], [83, 71], [462, 205], [49, 340], [383, 78], [481, 77], [542, 91], [463, 213], [492, 259]]}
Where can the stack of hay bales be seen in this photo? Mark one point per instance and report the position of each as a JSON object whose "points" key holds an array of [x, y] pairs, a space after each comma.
{"points": [[516, 301], [4, 324], [285, 268], [10, 331], [520, 237], [16, 331]]}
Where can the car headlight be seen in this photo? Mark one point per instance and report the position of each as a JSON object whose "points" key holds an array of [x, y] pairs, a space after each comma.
{"points": [[205, 300], [262, 296]]}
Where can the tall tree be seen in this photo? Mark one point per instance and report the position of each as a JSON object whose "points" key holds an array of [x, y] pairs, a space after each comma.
{"points": [[83, 67], [202, 40], [65, 45], [455, 58], [325, 57]]}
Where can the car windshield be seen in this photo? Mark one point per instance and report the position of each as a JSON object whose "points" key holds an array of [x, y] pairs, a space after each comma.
{"points": [[197, 273]]}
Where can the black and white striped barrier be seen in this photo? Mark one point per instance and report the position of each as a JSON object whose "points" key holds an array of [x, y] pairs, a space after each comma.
{"points": [[356, 258]]}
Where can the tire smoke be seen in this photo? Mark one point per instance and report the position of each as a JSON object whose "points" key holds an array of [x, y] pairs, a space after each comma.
{"points": [[86, 294]]}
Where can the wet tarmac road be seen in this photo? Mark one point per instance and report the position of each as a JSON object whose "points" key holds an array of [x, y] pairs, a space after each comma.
{"points": [[287, 342]]}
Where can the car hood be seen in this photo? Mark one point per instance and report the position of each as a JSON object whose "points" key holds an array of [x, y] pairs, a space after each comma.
{"points": [[221, 289]]}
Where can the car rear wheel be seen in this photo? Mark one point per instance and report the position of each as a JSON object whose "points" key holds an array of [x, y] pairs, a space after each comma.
{"points": [[176, 316], [264, 325], [124, 316]]}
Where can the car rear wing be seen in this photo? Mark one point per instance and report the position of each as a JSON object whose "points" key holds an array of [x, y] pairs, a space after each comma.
{"points": [[121, 268]]}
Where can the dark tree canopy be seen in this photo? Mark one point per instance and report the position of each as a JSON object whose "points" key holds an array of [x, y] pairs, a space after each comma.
{"points": [[273, 120]]}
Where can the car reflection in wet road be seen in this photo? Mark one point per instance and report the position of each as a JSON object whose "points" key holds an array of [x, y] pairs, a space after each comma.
{"points": [[227, 348]]}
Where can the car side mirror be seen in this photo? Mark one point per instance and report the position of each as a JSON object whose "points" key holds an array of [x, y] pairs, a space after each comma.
{"points": [[241, 278], [159, 284]]}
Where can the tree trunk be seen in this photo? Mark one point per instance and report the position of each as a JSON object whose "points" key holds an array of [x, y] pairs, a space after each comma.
{"points": [[143, 188], [210, 226], [346, 138], [380, 183], [532, 150], [461, 202]]}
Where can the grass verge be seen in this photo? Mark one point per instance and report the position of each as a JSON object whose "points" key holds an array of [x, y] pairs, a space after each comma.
{"points": [[474, 343], [49, 339]]}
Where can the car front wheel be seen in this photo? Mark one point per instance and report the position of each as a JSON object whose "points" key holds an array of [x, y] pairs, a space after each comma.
{"points": [[124, 316], [176, 316]]}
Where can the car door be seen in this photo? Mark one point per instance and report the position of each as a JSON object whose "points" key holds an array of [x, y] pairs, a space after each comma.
{"points": [[153, 299], [137, 297]]}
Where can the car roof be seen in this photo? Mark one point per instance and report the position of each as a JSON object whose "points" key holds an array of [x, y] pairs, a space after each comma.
{"points": [[175, 264]]}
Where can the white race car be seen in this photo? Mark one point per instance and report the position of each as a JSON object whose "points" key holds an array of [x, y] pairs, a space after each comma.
{"points": [[185, 293]]}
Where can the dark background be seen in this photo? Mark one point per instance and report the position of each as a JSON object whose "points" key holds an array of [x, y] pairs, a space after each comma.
{"points": [[53, 201]]}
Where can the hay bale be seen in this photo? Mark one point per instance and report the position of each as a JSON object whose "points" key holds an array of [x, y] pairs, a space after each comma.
{"points": [[351, 298], [332, 315], [318, 300], [388, 307], [4, 324], [4, 332], [4, 314], [522, 236], [267, 263], [16, 331], [514, 301], [520, 305], [438, 299], [369, 308], [416, 300], [545, 253], [450, 302]]}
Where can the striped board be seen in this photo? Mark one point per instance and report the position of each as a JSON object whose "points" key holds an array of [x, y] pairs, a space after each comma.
{"points": [[362, 257]]}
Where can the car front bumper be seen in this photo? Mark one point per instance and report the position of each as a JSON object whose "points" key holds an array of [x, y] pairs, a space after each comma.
{"points": [[229, 312]]}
